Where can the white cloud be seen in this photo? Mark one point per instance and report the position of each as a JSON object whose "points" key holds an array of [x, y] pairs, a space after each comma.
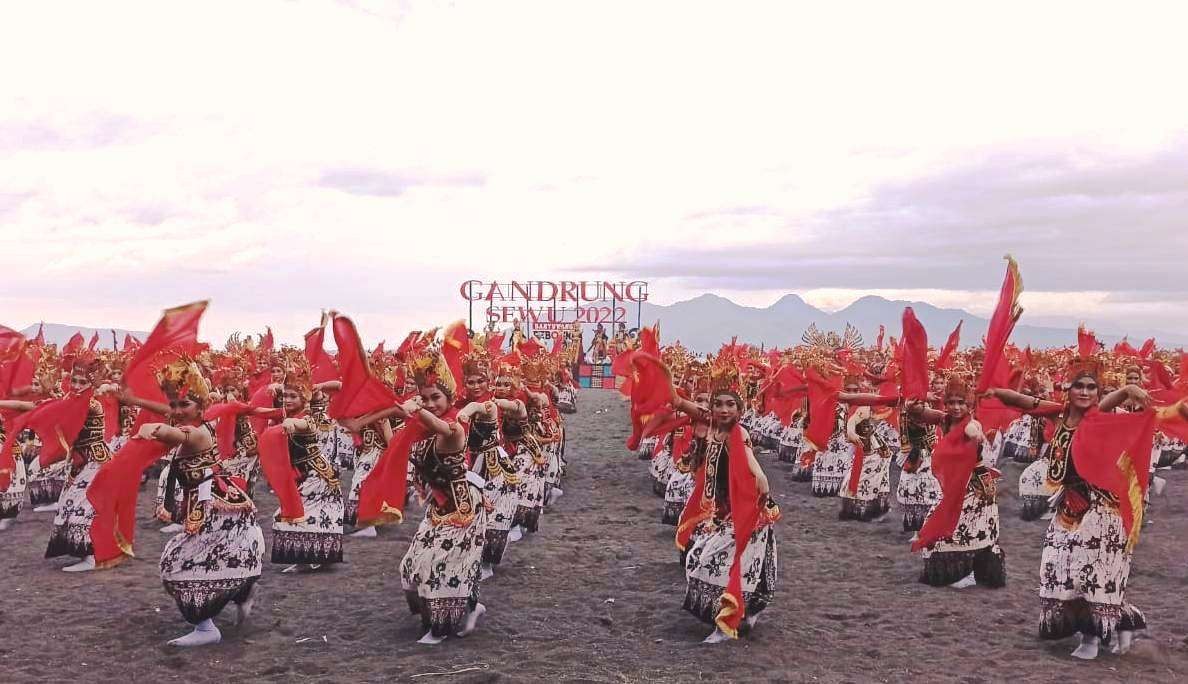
{"points": [[158, 153]]}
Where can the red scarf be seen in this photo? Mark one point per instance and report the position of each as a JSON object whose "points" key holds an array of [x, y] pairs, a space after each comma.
{"points": [[225, 416], [381, 498], [856, 468], [953, 461], [113, 494], [745, 508], [1112, 451], [697, 509], [278, 470]]}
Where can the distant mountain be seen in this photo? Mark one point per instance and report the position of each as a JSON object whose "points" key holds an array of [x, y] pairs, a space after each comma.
{"points": [[60, 334], [705, 322]]}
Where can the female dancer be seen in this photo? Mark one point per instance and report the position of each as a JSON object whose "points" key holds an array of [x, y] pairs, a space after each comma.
{"points": [[968, 554], [491, 461], [71, 534], [441, 570], [1085, 562], [729, 586], [217, 556], [314, 539]]}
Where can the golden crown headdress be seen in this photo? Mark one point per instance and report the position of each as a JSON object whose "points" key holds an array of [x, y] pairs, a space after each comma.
{"points": [[537, 369], [477, 362], [429, 368], [182, 377], [723, 375], [297, 377]]}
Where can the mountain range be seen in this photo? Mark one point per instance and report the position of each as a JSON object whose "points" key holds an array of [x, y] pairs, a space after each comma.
{"points": [[60, 334], [705, 322]]}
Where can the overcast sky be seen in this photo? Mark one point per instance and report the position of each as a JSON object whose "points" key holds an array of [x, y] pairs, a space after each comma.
{"points": [[282, 157]]}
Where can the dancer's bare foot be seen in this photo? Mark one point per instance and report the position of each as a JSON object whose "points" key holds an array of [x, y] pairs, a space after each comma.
{"points": [[515, 534], [717, 637], [204, 633], [430, 640], [244, 608], [487, 571], [1088, 648], [5, 524], [171, 528], [47, 508], [472, 619], [1123, 643], [965, 582], [365, 532], [85, 565]]}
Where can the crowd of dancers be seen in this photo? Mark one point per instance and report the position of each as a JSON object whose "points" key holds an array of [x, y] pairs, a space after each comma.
{"points": [[1091, 425], [470, 426]]}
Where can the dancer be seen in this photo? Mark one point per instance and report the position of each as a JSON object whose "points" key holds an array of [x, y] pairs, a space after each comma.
{"points": [[441, 570], [217, 556], [959, 538], [730, 570], [313, 539], [1086, 556]]}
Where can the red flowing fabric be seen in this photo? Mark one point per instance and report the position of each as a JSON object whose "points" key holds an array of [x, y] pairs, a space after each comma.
{"points": [[995, 415], [495, 344], [621, 368], [530, 348], [995, 369], [1161, 379], [381, 498], [176, 332], [1112, 451], [651, 391], [945, 359], [321, 366], [879, 342], [94, 341], [953, 461], [914, 362], [264, 398], [113, 494], [1147, 349], [697, 509], [1087, 343], [1172, 422], [785, 393], [856, 467], [7, 457], [454, 345], [649, 340], [273, 447], [822, 409], [111, 416], [18, 360], [663, 423], [361, 392], [57, 422], [224, 416], [1124, 348], [744, 511]]}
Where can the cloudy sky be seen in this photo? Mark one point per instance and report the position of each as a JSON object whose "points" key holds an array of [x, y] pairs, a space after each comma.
{"points": [[283, 157]]}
